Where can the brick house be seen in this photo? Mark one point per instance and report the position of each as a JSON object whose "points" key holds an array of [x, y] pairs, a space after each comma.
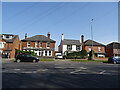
{"points": [[9, 43], [99, 49], [69, 45], [113, 49], [40, 44]]}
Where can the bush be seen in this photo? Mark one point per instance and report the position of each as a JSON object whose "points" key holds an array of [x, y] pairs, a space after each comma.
{"points": [[26, 52], [76, 55]]}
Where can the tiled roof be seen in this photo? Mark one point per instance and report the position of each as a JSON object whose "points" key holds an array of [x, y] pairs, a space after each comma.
{"points": [[38, 38], [89, 43], [70, 42], [114, 45]]}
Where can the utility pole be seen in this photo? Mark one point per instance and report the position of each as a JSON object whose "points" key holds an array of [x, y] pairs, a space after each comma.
{"points": [[92, 39]]}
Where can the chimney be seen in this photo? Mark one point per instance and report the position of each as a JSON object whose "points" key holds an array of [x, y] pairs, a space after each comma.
{"points": [[25, 35], [82, 41], [62, 36], [48, 35]]}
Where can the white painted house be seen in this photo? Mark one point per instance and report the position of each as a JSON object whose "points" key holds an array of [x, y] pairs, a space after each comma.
{"points": [[69, 45]]}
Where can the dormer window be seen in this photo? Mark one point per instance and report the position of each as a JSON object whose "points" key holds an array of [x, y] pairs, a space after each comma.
{"points": [[7, 36]]}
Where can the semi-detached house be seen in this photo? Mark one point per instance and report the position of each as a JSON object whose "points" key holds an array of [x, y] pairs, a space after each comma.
{"points": [[40, 44], [9, 43]]}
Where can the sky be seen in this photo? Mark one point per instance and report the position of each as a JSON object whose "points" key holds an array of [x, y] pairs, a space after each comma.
{"points": [[73, 19]]}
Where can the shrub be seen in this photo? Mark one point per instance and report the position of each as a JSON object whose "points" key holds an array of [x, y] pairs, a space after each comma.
{"points": [[26, 52], [76, 55]]}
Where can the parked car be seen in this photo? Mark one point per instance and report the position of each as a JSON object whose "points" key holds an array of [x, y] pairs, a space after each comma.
{"points": [[26, 58], [114, 59], [59, 57]]}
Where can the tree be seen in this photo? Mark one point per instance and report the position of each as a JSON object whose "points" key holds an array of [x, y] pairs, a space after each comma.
{"points": [[91, 55], [83, 53]]}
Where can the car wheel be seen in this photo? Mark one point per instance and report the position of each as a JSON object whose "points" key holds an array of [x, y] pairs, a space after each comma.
{"points": [[34, 61], [114, 62], [18, 60]]}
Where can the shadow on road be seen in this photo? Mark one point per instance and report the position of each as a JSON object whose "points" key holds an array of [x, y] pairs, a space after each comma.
{"points": [[56, 80]]}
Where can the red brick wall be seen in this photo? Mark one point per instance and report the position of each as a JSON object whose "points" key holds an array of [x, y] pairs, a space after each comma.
{"points": [[95, 48]]}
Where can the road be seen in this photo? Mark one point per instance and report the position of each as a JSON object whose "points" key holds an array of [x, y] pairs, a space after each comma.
{"points": [[60, 74]]}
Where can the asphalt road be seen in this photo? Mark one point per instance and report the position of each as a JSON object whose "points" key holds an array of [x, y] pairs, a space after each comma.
{"points": [[60, 74]]}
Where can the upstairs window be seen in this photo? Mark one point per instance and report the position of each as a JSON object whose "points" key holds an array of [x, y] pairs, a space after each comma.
{"points": [[48, 44], [40, 44], [1, 45], [28, 44], [89, 48], [36, 44], [69, 47], [77, 47], [99, 49], [7, 36]]}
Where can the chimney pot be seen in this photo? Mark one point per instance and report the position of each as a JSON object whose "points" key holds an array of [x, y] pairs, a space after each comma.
{"points": [[62, 36], [48, 35], [82, 41], [25, 35]]}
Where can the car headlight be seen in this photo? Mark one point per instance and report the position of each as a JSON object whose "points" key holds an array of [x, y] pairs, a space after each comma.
{"points": [[37, 58]]}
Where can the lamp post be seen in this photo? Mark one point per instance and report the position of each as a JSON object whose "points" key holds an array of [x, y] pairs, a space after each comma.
{"points": [[92, 39]]}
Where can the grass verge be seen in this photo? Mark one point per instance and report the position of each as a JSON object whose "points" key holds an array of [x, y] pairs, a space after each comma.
{"points": [[47, 60], [89, 61]]}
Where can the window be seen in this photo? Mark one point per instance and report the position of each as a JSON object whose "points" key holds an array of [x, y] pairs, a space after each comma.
{"points": [[36, 44], [28, 44], [77, 47], [99, 48], [40, 44], [1, 45], [89, 48], [69, 47], [48, 44], [45, 53], [7, 36], [49, 53]]}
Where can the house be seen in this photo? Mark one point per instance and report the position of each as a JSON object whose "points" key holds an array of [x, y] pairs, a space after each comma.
{"points": [[9, 43], [113, 49], [98, 48], [69, 45], [40, 44]]}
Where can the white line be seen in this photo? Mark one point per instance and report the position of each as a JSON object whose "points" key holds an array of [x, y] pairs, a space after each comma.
{"points": [[75, 71], [102, 72]]}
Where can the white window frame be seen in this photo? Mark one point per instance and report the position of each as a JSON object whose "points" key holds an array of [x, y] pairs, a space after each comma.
{"points": [[69, 47], [48, 44], [89, 48], [36, 44], [99, 49], [2, 45], [77, 47], [28, 44]]}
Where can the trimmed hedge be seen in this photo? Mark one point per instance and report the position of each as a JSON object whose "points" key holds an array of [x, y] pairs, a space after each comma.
{"points": [[26, 52], [76, 55]]}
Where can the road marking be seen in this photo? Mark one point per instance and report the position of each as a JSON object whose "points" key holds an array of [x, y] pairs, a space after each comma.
{"points": [[83, 68], [75, 71], [17, 69], [102, 72]]}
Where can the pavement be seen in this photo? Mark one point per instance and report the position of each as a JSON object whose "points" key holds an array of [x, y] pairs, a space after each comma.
{"points": [[60, 74]]}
